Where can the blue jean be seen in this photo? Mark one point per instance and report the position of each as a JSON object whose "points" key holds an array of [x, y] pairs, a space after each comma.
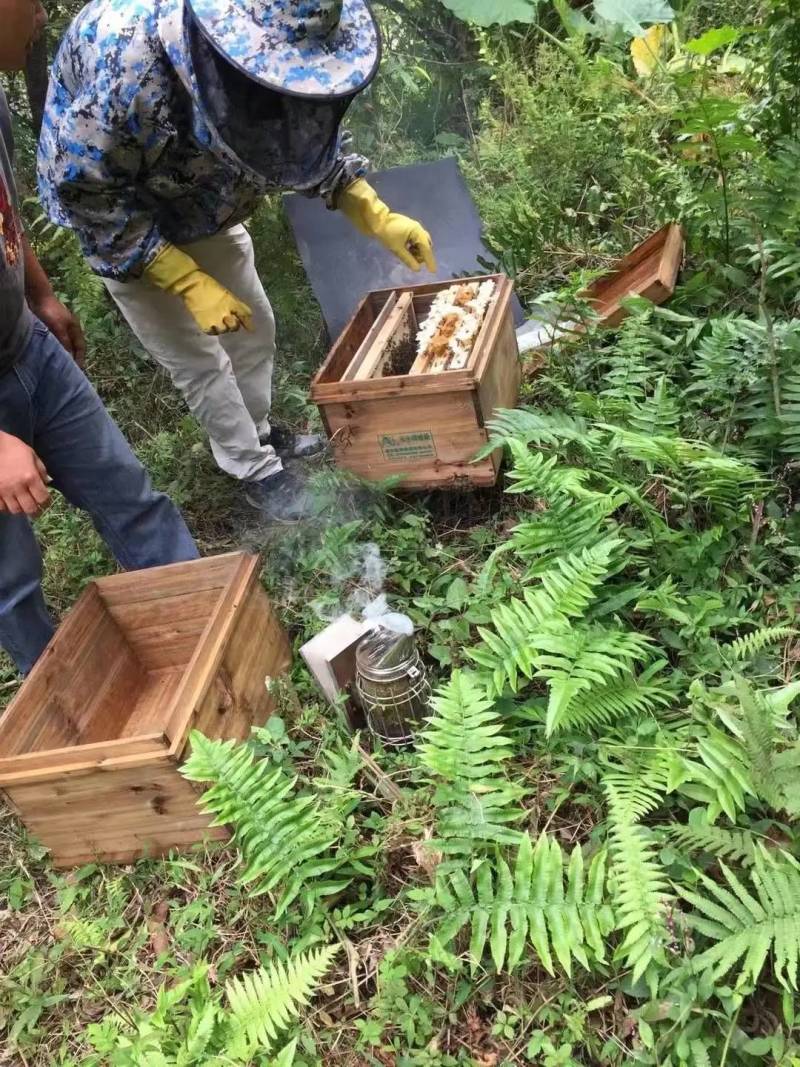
{"points": [[46, 401]]}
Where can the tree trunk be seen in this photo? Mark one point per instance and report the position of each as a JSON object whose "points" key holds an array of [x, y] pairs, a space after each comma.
{"points": [[36, 75]]}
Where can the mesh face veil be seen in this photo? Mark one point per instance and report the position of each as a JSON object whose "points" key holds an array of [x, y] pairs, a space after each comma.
{"points": [[290, 140]]}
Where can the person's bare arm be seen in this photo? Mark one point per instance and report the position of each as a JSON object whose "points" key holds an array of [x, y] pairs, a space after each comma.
{"points": [[23, 478], [44, 303]]}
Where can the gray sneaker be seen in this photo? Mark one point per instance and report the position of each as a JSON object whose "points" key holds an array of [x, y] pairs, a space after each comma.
{"points": [[290, 445], [283, 497]]}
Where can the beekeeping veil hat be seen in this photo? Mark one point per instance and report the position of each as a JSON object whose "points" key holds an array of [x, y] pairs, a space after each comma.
{"points": [[276, 76]]}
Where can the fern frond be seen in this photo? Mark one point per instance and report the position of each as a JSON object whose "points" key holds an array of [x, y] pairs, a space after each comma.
{"points": [[629, 696], [519, 646], [640, 892], [722, 843], [285, 838], [285, 1057], [202, 1026], [531, 427], [635, 362], [700, 1056], [582, 662], [656, 450], [656, 414], [553, 904], [264, 1002], [544, 477], [724, 774], [463, 742], [566, 527], [750, 921], [641, 896], [758, 761], [790, 413], [638, 787], [774, 767], [568, 588], [751, 644], [722, 373], [465, 750], [722, 482], [470, 820]]}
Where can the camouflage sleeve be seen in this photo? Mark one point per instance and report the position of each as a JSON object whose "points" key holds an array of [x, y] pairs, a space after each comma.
{"points": [[348, 168], [90, 154]]}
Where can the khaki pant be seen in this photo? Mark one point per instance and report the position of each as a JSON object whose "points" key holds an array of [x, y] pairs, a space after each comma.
{"points": [[226, 381]]}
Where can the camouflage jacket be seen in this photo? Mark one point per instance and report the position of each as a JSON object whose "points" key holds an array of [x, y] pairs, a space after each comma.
{"points": [[129, 159]]}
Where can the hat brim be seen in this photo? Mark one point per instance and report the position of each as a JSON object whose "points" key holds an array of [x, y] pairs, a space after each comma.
{"points": [[341, 65]]}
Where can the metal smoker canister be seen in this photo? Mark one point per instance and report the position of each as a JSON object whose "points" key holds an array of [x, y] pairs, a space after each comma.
{"points": [[391, 685]]}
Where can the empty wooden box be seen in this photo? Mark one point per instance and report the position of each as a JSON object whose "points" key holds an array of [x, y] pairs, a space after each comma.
{"points": [[423, 429], [90, 747]]}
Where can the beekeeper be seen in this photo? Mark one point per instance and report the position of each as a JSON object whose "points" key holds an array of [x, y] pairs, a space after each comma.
{"points": [[166, 122]]}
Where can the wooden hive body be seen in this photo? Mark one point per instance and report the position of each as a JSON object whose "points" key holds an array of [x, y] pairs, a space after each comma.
{"points": [[91, 746], [422, 429]]}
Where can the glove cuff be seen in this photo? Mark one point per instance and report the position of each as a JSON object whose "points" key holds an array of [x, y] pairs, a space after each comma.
{"points": [[171, 270], [362, 206]]}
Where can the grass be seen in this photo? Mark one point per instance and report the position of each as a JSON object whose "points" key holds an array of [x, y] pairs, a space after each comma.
{"points": [[79, 947]]}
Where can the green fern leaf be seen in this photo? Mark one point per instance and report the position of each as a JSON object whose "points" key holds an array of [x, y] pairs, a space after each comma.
{"points": [[465, 751], [464, 742], [720, 368], [264, 1002], [577, 662], [635, 362], [201, 1030], [641, 895], [535, 474], [718, 841], [722, 482], [724, 773], [790, 411], [657, 413], [285, 839], [772, 764], [751, 644], [628, 697], [700, 1057], [535, 638], [659, 452], [530, 427], [469, 820], [545, 901], [567, 526], [756, 762], [286, 1056], [747, 924]]}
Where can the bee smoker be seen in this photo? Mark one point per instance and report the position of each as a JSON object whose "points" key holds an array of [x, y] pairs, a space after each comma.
{"points": [[391, 685]]}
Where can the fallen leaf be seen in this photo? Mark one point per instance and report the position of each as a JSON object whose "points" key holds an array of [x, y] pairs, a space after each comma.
{"points": [[159, 938], [426, 857]]}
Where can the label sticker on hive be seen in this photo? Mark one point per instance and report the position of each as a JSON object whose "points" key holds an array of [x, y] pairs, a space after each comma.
{"points": [[404, 446]]}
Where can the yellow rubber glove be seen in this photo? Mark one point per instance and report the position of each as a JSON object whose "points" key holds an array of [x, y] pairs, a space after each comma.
{"points": [[406, 237], [211, 305]]}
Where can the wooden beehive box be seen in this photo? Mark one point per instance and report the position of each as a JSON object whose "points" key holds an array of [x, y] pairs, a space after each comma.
{"points": [[91, 745], [424, 429]]}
